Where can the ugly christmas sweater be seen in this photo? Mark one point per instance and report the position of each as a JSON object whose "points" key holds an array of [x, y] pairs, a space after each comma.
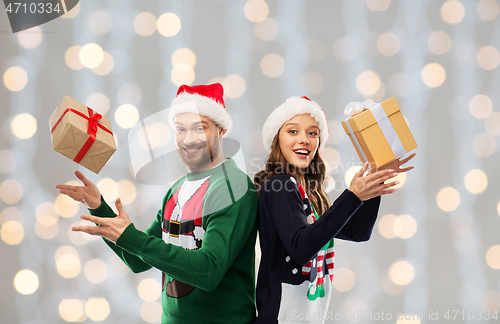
{"points": [[203, 240], [296, 269]]}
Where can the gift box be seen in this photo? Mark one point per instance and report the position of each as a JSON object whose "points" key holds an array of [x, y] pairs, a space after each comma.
{"points": [[81, 134], [379, 132]]}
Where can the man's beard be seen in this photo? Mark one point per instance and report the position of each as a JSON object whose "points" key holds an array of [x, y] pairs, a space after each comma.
{"points": [[204, 156]]}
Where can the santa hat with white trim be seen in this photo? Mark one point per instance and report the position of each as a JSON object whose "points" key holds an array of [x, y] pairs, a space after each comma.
{"points": [[292, 107], [208, 101]]}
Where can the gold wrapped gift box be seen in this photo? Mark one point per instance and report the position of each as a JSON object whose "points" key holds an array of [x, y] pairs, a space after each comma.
{"points": [[380, 134], [82, 135]]}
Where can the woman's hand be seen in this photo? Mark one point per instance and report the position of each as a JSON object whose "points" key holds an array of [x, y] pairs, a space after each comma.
{"points": [[395, 165], [371, 185], [87, 194]]}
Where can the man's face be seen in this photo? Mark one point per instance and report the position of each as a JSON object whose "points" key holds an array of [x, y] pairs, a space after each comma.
{"points": [[196, 140]]}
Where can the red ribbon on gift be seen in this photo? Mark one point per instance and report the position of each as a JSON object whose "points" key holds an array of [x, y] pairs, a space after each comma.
{"points": [[93, 119]]}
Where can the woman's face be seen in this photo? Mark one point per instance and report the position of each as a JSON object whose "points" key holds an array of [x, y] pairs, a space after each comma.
{"points": [[299, 140]]}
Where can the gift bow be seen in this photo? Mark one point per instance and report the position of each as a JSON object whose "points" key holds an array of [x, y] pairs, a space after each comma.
{"points": [[93, 119], [354, 108]]}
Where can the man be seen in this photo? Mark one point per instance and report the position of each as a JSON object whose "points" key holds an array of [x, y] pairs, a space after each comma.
{"points": [[203, 237]]}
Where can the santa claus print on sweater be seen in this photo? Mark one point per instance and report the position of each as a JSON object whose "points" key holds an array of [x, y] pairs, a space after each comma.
{"points": [[182, 225]]}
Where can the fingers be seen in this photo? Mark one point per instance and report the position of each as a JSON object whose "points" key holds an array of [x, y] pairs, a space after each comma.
{"points": [[119, 206], [388, 191], [385, 188], [95, 219], [411, 156], [72, 194], [65, 189], [388, 176], [71, 191], [391, 184], [362, 170], [381, 176], [406, 169], [83, 179], [68, 187], [92, 230]]}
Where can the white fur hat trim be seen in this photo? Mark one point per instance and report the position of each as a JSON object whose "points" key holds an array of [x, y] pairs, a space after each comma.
{"points": [[292, 107], [200, 105]]}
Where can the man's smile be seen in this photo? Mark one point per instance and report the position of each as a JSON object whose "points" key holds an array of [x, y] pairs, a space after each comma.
{"points": [[192, 150]]}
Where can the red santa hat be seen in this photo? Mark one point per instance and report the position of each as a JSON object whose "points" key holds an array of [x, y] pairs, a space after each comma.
{"points": [[292, 107], [208, 101]]}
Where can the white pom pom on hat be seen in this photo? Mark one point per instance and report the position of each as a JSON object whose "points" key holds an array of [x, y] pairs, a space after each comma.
{"points": [[290, 108], [329, 183]]}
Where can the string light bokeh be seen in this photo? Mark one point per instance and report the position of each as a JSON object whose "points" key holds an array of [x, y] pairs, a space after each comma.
{"points": [[435, 244]]}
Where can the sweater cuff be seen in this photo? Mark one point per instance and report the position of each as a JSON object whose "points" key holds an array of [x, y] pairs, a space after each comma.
{"points": [[349, 201], [103, 210], [131, 239]]}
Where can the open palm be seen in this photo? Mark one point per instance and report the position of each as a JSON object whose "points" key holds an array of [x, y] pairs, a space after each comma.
{"points": [[110, 228], [87, 194]]}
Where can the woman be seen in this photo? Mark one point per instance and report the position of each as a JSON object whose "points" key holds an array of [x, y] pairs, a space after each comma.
{"points": [[296, 269]]}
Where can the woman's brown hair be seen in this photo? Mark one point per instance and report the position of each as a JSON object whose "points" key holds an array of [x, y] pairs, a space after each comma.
{"points": [[311, 178]]}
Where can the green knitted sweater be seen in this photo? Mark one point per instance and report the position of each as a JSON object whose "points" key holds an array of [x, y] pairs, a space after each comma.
{"points": [[206, 251]]}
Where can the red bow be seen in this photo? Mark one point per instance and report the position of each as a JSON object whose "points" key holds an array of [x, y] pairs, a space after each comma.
{"points": [[93, 119]]}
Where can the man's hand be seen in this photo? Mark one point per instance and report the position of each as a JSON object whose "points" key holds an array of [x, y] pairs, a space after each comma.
{"points": [[395, 165], [87, 194], [109, 228]]}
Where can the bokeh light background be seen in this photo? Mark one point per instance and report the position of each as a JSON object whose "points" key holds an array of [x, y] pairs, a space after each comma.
{"points": [[435, 245]]}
